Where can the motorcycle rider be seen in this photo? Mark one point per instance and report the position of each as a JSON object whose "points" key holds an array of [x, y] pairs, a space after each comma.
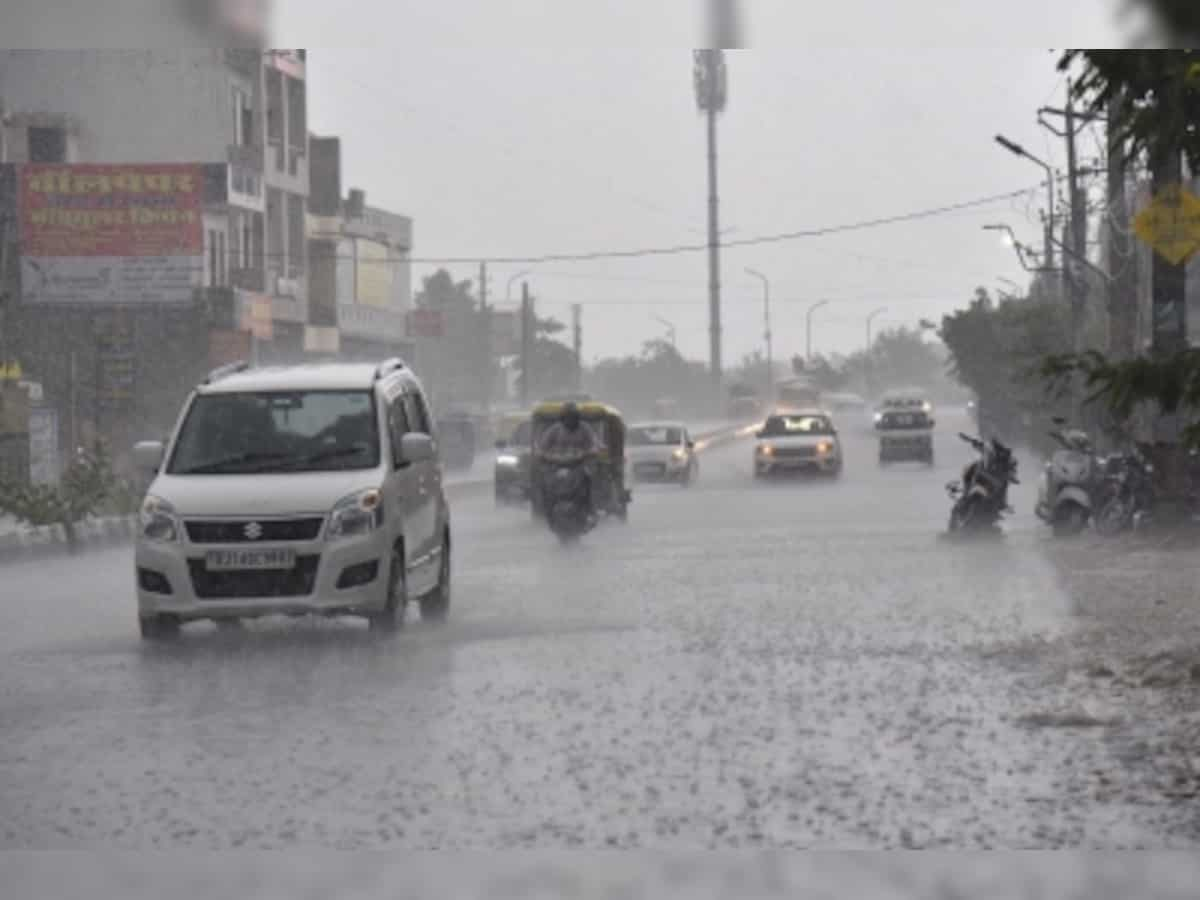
{"points": [[569, 437]]}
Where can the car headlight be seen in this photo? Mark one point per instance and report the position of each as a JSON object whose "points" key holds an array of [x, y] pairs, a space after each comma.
{"points": [[507, 460], [825, 448], [357, 514], [680, 455], [159, 521], [766, 450]]}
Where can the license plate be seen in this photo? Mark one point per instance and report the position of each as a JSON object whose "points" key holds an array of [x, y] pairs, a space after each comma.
{"points": [[266, 558]]}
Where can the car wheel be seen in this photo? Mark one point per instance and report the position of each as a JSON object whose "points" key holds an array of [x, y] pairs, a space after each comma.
{"points": [[158, 628], [435, 606], [391, 617], [1071, 521]]}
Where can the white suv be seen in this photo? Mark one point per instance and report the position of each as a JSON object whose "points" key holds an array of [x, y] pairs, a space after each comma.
{"points": [[295, 490]]}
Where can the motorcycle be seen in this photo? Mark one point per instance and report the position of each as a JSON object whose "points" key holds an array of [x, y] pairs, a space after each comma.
{"points": [[1068, 494], [1128, 493], [565, 493], [981, 496]]}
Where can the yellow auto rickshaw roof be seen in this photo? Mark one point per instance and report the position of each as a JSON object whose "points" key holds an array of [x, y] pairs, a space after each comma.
{"points": [[589, 410]]}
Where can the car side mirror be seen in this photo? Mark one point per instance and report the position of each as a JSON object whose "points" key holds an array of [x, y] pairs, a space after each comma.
{"points": [[416, 448], [148, 455], [501, 444]]}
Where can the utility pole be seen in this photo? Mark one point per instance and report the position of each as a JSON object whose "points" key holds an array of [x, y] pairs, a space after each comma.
{"points": [[870, 341], [577, 330], [808, 330], [766, 328], [711, 91], [485, 342], [1122, 266], [526, 341]]}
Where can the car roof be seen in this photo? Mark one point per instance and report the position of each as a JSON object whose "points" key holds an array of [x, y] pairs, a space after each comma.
{"points": [[331, 376], [796, 413]]}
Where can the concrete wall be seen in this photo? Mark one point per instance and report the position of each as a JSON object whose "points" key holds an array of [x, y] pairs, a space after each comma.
{"points": [[171, 105]]}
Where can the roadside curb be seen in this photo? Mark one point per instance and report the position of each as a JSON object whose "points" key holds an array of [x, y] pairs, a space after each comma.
{"points": [[51, 540]]}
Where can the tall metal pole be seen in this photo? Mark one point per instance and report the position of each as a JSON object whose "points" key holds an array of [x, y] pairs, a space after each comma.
{"points": [[870, 365], [485, 327], [526, 341], [577, 330], [511, 281], [710, 84], [714, 256], [808, 329], [1048, 236], [766, 327]]}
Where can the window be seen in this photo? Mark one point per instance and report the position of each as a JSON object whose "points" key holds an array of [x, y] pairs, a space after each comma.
{"points": [[397, 426], [212, 258], [247, 239], [417, 414], [222, 261], [47, 145]]}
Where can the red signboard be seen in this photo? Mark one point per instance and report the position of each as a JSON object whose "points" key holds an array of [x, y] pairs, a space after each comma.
{"points": [[111, 233]]}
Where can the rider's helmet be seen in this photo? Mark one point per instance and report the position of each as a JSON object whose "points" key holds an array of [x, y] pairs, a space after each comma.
{"points": [[570, 416]]}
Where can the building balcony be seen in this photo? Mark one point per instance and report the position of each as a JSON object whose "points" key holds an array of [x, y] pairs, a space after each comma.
{"points": [[247, 156]]}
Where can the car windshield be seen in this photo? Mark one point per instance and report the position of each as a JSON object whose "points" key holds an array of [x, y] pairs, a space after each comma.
{"points": [[652, 435], [784, 426], [277, 432], [904, 419]]}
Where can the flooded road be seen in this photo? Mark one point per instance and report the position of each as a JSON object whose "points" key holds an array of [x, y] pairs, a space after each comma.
{"points": [[787, 664]]}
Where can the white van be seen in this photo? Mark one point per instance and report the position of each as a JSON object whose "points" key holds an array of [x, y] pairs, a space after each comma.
{"points": [[295, 490]]}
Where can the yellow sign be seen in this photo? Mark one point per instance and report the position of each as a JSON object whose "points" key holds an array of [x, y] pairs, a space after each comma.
{"points": [[1171, 224], [11, 371]]}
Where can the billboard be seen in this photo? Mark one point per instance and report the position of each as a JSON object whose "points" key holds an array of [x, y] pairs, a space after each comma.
{"points": [[111, 234]]}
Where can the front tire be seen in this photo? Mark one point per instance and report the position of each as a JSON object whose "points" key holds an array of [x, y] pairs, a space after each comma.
{"points": [[391, 618], [435, 606], [158, 628], [1070, 521]]}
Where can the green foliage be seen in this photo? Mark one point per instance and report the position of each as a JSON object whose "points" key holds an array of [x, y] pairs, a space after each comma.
{"points": [[83, 489], [1159, 92], [1168, 382], [997, 350]]}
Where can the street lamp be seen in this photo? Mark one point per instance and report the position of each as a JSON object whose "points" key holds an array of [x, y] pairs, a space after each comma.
{"points": [[1017, 150], [1011, 240], [766, 326], [511, 282], [870, 369], [808, 328], [670, 328]]}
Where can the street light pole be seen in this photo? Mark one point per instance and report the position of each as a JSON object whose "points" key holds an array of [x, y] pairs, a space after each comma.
{"points": [[766, 327], [808, 329], [870, 368], [711, 89], [670, 330], [1017, 150], [511, 282]]}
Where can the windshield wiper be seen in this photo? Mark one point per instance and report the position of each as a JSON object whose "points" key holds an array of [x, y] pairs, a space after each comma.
{"points": [[329, 455], [219, 466]]}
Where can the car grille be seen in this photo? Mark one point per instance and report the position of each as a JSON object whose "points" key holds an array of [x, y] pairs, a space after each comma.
{"points": [[295, 582], [235, 532], [795, 452]]}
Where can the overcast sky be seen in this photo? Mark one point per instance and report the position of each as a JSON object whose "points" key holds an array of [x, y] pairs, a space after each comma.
{"points": [[530, 144]]}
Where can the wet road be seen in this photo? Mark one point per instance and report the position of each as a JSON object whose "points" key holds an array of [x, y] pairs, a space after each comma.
{"points": [[785, 664]]}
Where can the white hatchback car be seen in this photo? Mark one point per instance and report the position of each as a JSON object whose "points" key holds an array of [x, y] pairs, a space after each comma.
{"points": [[295, 490], [662, 451], [801, 441]]}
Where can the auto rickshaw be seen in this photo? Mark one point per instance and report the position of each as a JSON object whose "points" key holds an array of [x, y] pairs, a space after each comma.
{"points": [[609, 489]]}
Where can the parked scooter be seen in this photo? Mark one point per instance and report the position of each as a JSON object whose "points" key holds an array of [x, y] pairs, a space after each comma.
{"points": [[1071, 483], [981, 497], [1127, 493]]}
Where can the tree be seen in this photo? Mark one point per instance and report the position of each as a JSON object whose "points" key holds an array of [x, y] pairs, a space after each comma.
{"points": [[84, 487]]}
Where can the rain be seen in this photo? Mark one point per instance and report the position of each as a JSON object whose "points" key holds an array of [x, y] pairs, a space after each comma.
{"points": [[592, 447]]}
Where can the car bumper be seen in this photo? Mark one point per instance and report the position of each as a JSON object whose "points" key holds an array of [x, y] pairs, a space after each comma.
{"points": [[828, 464], [311, 587]]}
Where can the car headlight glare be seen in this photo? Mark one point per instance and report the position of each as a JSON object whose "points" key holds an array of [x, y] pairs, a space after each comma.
{"points": [[508, 460], [159, 521], [357, 514], [766, 450], [825, 447], [679, 454]]}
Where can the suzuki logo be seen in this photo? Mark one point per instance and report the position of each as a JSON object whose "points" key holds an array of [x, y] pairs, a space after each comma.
{"points": [[253, 531]]}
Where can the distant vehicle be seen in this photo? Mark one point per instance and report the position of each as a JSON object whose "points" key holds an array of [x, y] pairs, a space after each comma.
{"points": [[796, 394], [802, 441], [511, 471], [662, 451], [295, 490], [905, 434]]}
